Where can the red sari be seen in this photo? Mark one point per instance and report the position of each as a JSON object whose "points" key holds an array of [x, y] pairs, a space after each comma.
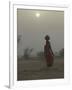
{"points": [[48, 54]]}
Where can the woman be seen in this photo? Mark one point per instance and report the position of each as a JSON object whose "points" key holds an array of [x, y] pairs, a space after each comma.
{"points": [[48, 53]]}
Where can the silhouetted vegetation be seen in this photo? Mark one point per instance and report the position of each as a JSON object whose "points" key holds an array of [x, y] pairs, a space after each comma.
{"points": [[27, 53], [61, 52], [18, 41], [18, 38], [40, 54]]}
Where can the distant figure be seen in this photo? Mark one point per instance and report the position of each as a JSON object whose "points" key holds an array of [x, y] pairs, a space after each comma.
{"points": [[48, 53]]}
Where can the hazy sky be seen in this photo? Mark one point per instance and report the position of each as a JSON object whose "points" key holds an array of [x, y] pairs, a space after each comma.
{"points": [[33, 29]]}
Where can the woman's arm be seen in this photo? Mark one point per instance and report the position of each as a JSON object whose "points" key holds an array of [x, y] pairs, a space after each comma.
{"points": [[51, 49]]}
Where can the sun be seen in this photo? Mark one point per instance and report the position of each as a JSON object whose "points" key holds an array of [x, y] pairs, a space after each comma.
{"points": [[37, 15]]}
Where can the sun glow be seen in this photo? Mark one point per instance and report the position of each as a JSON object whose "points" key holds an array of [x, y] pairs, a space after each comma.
{"points": [[37, 15]]}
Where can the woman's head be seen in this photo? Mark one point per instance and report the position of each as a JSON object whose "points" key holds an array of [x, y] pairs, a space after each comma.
{"points": [[47, 37]]}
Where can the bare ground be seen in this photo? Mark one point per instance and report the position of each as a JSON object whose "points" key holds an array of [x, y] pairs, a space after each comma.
{"points": [[37, 69]]}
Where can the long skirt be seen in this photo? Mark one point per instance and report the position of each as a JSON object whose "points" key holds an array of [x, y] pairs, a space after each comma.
{"points": [[49, 59]]}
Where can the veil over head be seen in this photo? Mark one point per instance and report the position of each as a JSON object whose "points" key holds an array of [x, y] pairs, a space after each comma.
{"points": [[47, 37]]}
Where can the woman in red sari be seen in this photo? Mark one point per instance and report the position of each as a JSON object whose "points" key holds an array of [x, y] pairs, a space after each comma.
{"points": [[48, 53]]}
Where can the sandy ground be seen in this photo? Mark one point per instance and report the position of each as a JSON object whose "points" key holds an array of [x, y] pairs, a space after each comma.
{"points": [[37, 69]]}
